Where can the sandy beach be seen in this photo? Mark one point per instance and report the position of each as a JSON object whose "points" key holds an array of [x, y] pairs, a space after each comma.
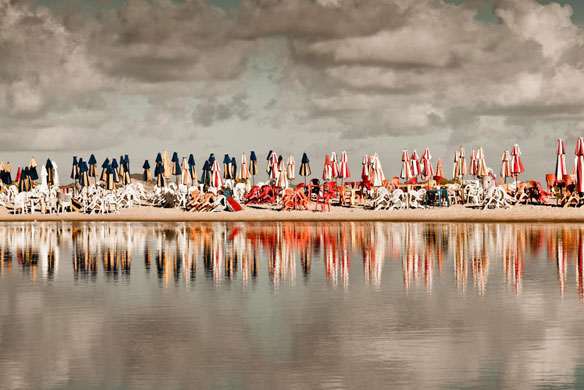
{"points": [[520, 213]]}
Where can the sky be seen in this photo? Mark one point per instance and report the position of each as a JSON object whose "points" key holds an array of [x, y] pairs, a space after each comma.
{"points": [[115, 77]]}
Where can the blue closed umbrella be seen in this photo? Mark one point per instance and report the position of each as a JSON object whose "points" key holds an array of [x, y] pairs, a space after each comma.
{"points": [[92, 166], [253, 165], [75, 169], [192, 169], [227, 167], [104, 166], [206, 176]]}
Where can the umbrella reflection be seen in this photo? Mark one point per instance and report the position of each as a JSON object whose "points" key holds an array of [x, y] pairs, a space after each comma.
{"points": [[244, 252]]}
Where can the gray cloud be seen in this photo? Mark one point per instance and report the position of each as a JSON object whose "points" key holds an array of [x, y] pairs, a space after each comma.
{"points": [[210, 111], [354, 68]]}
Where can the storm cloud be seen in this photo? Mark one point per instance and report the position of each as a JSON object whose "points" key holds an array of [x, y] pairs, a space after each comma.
{"points": [[376, 71]]}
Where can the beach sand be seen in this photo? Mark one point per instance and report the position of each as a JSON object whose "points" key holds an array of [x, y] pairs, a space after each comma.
{"points": [[519, 213]]}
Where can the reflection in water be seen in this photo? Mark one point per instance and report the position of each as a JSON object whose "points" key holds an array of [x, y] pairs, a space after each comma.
{"points": [[231, 251], [291, 305]]}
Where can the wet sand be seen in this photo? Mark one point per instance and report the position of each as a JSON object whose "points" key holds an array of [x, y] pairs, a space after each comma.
{"points": [[520, 213]]}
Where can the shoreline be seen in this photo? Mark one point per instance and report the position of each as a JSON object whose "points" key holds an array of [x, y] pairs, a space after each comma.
{"points": [[458, 213]]}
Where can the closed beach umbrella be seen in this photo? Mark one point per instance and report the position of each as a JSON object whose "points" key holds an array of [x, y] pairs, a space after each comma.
{"points": [[158, 159], [305, 167], [269, 163], [110, 180], [291, 168], [32, 168], [456, 166], [211, 159], [146, 172], [365, 170], [244, 170], [427, 169], [439, 169], [43, 177], [18, 175], [50, 173], [416, 167], [175, 165], [506, 166], [83, 174], [185, 177], [253, 163], [344, 167], [378, 176], [406, 171], [56, 170], [166, 165], [282, 180], [580, 165], [192, 169], [462, 161], [2, 168], [481, 164], [227, 167], [124, 175], [561, 170], [234, 168], [92, 166], [75, 169], [21, 179], [127, 162], [516, 164], [216, 179], [104, 165], [159, 174], [7, 174], [116, 167], [473, 166], [273, 166], [327, 172], [206, 174], [334, 165]]}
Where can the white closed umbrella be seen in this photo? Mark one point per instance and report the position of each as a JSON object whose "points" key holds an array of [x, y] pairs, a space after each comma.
{"points": [[55, 168], [291, 167]]}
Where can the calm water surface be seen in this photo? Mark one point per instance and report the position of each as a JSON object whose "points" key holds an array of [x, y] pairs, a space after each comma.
{"points": [[291, 305]]}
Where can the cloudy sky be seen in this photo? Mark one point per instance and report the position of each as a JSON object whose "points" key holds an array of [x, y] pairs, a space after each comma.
{"points": [[227, 76]]}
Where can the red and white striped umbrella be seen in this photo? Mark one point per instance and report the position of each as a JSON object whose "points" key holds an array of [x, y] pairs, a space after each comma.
{"points": [[216, 177], [327, 172], [344, 166], [506, 165], [580, 165], [334, 165], [473, 166], [406, 171], [244, 171], [275, 169], [561, 170], [427, 169], [481, 164], [416, 168], [516, 164], [291, 168], [365, 171]]}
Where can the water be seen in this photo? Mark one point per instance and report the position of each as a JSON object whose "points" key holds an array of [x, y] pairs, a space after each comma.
{"points": [[291, 305]]}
